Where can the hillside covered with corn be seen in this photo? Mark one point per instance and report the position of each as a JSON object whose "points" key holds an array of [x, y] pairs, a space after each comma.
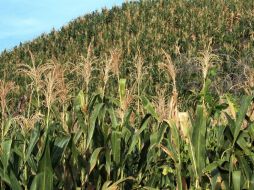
{"points": [[155, 94]]}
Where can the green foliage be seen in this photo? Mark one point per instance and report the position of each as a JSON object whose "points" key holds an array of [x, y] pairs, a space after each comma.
{"points": [[90, 116]]}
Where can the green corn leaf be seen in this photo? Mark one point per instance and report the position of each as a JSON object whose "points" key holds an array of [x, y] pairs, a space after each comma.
{"points": [[231, 168], [127, 116], [251, 131], [123, 180], [33, 140], [245, 103], [127, 133], [79, 105], [93, 119], [236, 177], [169, 153], [60, 145], [94, 158], [32, 164], [68, 118], [137, 134], [43, 181], [252, 182], [153, 140], [4, 177], [37, 181], [244, 144], [122, 90], [10, 179], [157, 137], [7, 126], [148, 107], [175, 152], [149, 188], [77, 135], [113, 117], [134, 141], [175, 137], [231, 123], [212, 166], [45, 161], [74, 151], [161, 132], [198, 139], [231, 104], [245, 167], [113, 100], [14, 181], [220, 136], [116, 146], [108, 185], [79, 102], [108, 161], [6, 152], [45, 176]]}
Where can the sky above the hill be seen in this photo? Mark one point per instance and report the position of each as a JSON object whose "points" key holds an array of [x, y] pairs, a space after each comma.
{"points": [[24, 20]]}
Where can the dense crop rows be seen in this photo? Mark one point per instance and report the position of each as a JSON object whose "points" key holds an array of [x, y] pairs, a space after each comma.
{"points": [[153, 95], [183, 28]]}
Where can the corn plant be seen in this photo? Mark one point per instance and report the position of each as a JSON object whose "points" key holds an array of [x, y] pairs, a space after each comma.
{"points": [[150, 95]]}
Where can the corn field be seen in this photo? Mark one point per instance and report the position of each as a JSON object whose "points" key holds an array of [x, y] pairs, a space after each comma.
{"points": [[150, 95]]}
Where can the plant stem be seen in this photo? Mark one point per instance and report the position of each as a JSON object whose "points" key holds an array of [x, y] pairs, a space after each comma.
{"points": [[63, 119], [47, 119], [194, 163], [138, 96], [38, 99], [25, 166], [29, 104]]}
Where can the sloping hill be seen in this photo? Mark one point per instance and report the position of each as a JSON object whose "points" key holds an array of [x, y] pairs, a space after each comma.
{"points": [[182, 28]]}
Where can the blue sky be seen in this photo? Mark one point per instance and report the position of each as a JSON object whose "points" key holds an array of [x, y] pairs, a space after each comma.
{"points": [[23, 20]]}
